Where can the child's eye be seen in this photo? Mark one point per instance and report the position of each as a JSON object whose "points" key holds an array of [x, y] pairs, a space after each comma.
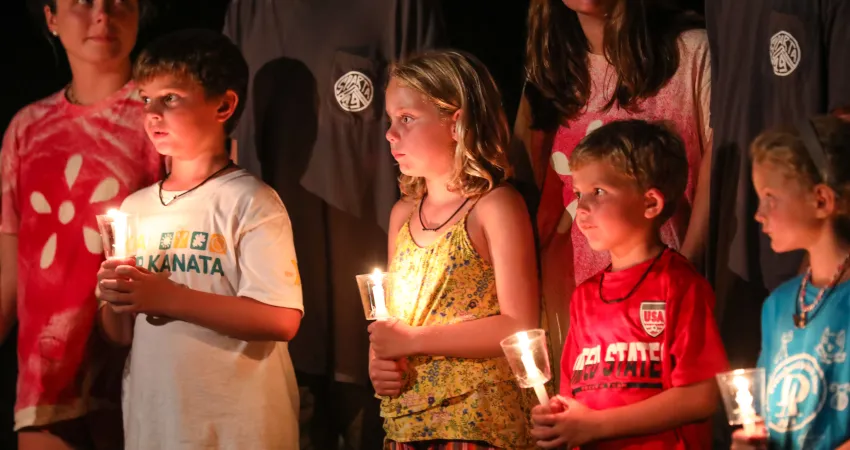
{"points": [[146, 100], [170, 98], [577, 194], [406, 119], [598, 191]]}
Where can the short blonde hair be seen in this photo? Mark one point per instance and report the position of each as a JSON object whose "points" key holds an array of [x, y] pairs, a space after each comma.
{"points": [[454, 81], [651, 154]]}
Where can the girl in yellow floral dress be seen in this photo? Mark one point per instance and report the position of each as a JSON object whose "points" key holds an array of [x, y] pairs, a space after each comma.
{"points": [[462, 252]]}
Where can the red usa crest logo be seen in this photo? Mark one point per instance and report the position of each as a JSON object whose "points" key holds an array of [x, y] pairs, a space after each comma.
{"points": [[653, 317]]}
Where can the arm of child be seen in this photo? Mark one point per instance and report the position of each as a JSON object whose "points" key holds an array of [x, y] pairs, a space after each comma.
{"points": [[8, 284], [507, 229], [694, 244], [267, 305]]}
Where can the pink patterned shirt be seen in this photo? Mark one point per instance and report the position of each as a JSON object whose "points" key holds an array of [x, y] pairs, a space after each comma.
{"points": [[61, 165], [684, 102]]}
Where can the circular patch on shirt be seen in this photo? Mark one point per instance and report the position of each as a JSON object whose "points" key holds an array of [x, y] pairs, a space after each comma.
{"points": [[354, 91], [784, 53], [796, 393]]}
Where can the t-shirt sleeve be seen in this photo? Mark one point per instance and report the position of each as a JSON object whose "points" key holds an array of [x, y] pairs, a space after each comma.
{"points": [[696, 346], [268, 268], [9, 169], [838, 48]]}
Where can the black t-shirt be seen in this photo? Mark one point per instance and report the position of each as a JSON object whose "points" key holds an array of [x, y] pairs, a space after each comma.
{"points": [[314, 128], [773, 62], [332, 56]]}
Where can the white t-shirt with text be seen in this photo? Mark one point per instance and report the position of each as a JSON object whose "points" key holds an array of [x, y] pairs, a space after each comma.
{"points": [[188, 387]]}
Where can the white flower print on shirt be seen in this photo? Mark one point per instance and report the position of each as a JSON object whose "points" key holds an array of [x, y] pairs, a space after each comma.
{"points": [[106, 190]]}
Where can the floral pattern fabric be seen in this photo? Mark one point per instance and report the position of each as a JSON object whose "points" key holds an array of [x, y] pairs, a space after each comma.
{"points": [[443, 397]]}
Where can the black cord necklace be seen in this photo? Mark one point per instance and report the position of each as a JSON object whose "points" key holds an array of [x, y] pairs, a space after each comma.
{"points": [[164, 203], [422, 222], [634, 288]]}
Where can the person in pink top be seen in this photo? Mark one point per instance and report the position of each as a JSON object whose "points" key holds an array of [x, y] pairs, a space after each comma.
{"points": [[590, 63], [66, 158]]}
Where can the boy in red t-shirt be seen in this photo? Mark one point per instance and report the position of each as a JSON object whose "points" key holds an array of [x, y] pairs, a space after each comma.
{"points": [[643, 347]]}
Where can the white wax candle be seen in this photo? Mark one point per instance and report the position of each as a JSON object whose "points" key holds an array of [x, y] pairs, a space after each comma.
{"points": [[381, 311], [535, 376], [119, 230], [745, 403]]}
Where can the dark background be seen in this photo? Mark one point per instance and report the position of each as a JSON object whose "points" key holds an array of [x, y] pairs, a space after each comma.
{"points": [[493, 31]]}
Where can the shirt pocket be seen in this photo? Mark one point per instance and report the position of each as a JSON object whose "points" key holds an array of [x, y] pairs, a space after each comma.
{"points": [[793, 50], [356, 88]]}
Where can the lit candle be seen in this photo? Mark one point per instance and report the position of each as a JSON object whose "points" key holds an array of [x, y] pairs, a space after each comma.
{"points": [[119, 230], [534, 375], [745, 403], [377, 278]]}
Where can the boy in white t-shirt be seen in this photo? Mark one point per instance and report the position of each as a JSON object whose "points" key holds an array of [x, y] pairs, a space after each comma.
{"points": [[214, 294]]}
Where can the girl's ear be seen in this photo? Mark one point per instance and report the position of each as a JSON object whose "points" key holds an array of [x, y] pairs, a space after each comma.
{"points": [[50, 19], [456, 123], [824, 198]]}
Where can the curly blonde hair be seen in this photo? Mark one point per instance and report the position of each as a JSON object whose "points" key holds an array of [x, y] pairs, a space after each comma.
{"points": [[784, 148], [454, 81]]}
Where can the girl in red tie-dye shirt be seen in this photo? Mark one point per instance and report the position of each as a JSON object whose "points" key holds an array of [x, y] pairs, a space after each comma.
{"points": [[590, 63], [66, 158]]}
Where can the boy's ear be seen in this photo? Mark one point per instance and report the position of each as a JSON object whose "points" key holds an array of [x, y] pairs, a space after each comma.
{"points": [[653, 201], [227, 106], [824, 198]]}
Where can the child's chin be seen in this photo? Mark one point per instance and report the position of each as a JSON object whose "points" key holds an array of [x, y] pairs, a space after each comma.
{"points": [[598, 246], [781, 247]]}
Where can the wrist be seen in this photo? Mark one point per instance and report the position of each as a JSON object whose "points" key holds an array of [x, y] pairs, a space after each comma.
{"points": [[415, 341], [168, 304], [599, 426]]}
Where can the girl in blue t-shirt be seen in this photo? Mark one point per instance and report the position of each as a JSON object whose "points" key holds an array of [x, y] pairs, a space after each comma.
{"points": [[802, 178]]}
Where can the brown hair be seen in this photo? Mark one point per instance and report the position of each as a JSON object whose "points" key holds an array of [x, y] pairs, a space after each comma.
{"points": [[205, 57], [652, 154], [785, 148], [641, 44], [453, 81]]}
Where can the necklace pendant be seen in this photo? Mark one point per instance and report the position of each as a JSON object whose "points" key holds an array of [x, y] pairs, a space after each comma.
{"points": [[800, 320]]}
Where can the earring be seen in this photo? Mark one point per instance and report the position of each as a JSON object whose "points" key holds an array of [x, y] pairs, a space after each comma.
{"points": [[54, 33]]}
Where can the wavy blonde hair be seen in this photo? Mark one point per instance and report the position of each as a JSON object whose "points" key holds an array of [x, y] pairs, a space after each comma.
{"points": [[453, 81]]}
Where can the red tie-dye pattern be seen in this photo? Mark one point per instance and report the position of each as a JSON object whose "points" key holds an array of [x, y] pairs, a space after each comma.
{"points": [[63, 164], [677, 103]]}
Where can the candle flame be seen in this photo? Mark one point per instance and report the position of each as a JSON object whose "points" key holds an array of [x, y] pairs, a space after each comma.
{"points": [[741, 383], [522, 339], [115, 214], [377, 276]]}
